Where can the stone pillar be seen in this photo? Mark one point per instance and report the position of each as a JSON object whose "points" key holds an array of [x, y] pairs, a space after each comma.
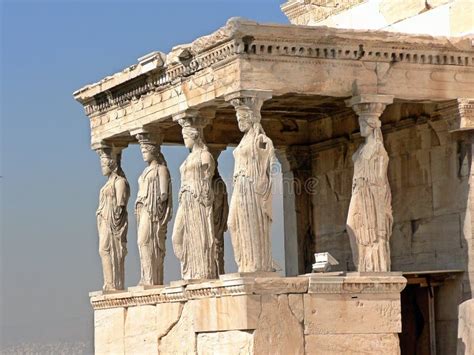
{"points": [[153, 208], [369, 220], [297, 188], [112, 217], [193, 232], [220, 207], [250, 209]]}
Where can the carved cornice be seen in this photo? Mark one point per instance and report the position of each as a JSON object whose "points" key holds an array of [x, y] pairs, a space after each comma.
{"points": [[246, 39], [312, 283], [387, 283], [459, 114]]}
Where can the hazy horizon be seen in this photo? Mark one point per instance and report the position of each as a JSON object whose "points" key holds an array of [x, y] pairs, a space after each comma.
{"points": [[50, 176]]}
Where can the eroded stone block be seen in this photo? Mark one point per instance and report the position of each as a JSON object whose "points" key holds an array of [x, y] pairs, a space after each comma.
{"points": [[281, 285], [181, 339], [226, 313], [233, 342], [278, 331], [461, 18], [167, 315], [109, 325], [337, 344], [338, 314], [140, 330], [295, 302]]}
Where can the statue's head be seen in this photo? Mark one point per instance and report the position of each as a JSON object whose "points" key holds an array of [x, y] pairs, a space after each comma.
{"points": [[248, 112], [191, 136], [150, 152], [108, 161], [368, 125], [150, 146], [245, 119]]}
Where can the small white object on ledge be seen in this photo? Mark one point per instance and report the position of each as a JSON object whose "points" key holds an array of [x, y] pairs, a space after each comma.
{"points": [[324, 261]]}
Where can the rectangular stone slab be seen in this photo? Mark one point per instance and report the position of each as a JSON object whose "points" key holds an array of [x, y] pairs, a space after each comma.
{"points": [[226, 313], [352, 313], [109, 330]]}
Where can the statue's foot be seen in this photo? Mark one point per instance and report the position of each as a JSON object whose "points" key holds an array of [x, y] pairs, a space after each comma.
{"points": [[144, 283], [108, 287]]}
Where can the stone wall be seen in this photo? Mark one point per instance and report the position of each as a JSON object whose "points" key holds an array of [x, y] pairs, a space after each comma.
{"points": [[433, 17], [429, 172], [313, 314]]}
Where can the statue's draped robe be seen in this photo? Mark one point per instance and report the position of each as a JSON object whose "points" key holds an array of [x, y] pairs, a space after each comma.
{"points": [[153, 216], [193, 233], [369, 221], [250, 213], [112, 224]]}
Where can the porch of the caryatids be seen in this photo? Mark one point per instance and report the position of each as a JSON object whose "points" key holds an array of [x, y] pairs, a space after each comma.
{"points": [[369, 220], [250, 212], [193, 233], [153, 208], [112, 217]]}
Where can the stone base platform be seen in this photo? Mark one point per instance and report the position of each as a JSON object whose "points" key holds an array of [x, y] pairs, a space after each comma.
{"points": [[254, 314]]}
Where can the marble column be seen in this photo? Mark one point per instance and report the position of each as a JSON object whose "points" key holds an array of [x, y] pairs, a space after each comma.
{"points": [[112, 217], [369, 220], [153, 208], [220, 207], [250, 212], [298, 185], [193, 232]]}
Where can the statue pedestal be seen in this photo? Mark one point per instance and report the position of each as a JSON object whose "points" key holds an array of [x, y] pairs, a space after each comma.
{"points": [[309, 314]]}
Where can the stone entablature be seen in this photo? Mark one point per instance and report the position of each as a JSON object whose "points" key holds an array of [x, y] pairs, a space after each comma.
{"points": [[241, 56]]}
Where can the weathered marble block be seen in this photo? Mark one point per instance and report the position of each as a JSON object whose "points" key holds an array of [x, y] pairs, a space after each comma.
{"points": [[255, 314]]}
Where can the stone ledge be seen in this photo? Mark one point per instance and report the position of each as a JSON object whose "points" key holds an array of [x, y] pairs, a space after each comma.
{"points": [[391, 282], [230, 285]]}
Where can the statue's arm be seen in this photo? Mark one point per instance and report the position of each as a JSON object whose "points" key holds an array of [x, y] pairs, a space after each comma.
{"points": [[121, 194], [207, 166], [164, 177]]}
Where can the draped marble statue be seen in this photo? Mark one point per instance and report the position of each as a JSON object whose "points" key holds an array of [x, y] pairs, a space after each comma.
{"points": [[250, 212], [220, 210], [193, 233], [369, 220], [112, 219], [153, 209]]}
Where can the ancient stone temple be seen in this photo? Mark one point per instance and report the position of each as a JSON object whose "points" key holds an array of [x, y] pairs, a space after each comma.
{"points": [[374, 133]]}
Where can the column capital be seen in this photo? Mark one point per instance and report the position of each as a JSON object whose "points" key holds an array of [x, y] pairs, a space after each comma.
{"points": [[146, 136], [195, 118], [243, 94], [251, 100], [116, 147], [369, 104]]}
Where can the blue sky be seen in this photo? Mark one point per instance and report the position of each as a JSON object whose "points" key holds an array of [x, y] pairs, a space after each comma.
{"points": [[50, 177]]}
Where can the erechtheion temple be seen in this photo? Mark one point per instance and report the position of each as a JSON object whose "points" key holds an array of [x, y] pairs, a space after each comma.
{"points": [[369, 108]]}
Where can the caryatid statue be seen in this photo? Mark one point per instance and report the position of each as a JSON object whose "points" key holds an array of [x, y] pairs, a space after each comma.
{"points": [[369, 220], [250, 213], [153, 209], [220, 209], [112, 219], [193, 233]]}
